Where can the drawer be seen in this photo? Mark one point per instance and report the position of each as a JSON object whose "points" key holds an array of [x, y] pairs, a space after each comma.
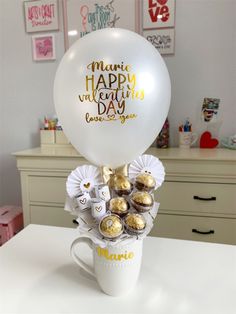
{"points": [[47, 189], [219, 230], [52, 216], [197, 197]]}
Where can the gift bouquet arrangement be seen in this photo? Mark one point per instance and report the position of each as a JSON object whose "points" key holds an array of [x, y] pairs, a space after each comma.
{"points": [[114, 206], [112, 102]]}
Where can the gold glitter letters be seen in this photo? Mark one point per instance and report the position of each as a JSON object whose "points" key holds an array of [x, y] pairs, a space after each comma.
{"points": [[110, 91]]}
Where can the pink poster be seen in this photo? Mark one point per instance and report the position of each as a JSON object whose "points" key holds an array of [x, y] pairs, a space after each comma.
{"points": [[41, 15], [43, 47]]}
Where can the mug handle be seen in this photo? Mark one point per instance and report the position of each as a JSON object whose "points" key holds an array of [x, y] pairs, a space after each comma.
{"points": [[194, 138], [77, 259]]}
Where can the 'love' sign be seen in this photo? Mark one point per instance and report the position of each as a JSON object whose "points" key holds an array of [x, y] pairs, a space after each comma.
{"points": [[158, 10], [158, 13]]}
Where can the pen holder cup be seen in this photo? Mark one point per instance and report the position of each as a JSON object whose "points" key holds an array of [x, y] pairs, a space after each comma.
{"points": [[187, 139]]}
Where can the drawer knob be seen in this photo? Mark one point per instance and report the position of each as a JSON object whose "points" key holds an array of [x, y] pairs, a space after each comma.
{"points": [[203, 232], [212, 198]]}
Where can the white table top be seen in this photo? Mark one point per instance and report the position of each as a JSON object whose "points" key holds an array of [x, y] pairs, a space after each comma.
{"points": [[37, 275]]}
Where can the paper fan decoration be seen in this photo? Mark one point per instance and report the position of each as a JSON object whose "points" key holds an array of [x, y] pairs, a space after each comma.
{"points": [[83, 179], [148, 164]]}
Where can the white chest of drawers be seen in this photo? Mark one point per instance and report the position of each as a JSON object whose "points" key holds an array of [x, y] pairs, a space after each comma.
{"points": [[43, 173], [198, 198]]}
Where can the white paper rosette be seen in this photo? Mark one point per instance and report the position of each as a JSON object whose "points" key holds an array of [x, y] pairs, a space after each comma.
{"points": [[148, 164], [83, 179]]}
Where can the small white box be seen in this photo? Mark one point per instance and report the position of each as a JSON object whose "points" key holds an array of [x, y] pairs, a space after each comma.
{"points": [[60, 137], [47, 137]]}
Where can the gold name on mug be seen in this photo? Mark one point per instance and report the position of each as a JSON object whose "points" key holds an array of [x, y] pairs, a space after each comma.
{"points": [[114, 257]]}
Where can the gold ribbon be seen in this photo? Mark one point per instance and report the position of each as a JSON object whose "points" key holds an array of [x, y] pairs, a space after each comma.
{"points": [[108, 173]]}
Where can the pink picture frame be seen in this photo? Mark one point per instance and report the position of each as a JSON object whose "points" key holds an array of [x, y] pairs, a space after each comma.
{"points": [[43, 47]]}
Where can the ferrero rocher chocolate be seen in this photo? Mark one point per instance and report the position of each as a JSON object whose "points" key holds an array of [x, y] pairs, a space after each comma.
{"points": [[142, 201], [111, 226], [145, 182], [134, 223], [119, 206], [120, 184]]}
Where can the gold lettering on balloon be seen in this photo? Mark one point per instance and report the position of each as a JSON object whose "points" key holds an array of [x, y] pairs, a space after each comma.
{"points": [[110, 91], [101, 66]]}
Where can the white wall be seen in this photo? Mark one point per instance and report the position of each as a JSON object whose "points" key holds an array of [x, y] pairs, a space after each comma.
{"points": [[204, 65], [1, 101], [27, 93], [204, 62]]}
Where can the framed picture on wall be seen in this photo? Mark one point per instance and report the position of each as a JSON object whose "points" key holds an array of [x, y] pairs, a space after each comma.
{"points": [[41, 15], [82, 17], [162, 39], [43, 47], [158, 13]]}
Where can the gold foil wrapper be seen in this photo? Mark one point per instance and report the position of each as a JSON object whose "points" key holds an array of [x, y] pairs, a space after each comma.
{"points": [[142, 198], [119, 182], [146, 179], [111, 226], [118, 205], [135, 221]]}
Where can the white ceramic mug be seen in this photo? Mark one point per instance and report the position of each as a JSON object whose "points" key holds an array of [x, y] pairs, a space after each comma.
{"points": [[116, 268], [187, 139]]}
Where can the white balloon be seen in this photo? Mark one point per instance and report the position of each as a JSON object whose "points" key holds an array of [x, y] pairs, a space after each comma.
{"points": [[118, 78]]}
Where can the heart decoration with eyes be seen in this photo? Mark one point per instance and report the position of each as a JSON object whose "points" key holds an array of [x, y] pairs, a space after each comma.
{"points": [[150, 165]]}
